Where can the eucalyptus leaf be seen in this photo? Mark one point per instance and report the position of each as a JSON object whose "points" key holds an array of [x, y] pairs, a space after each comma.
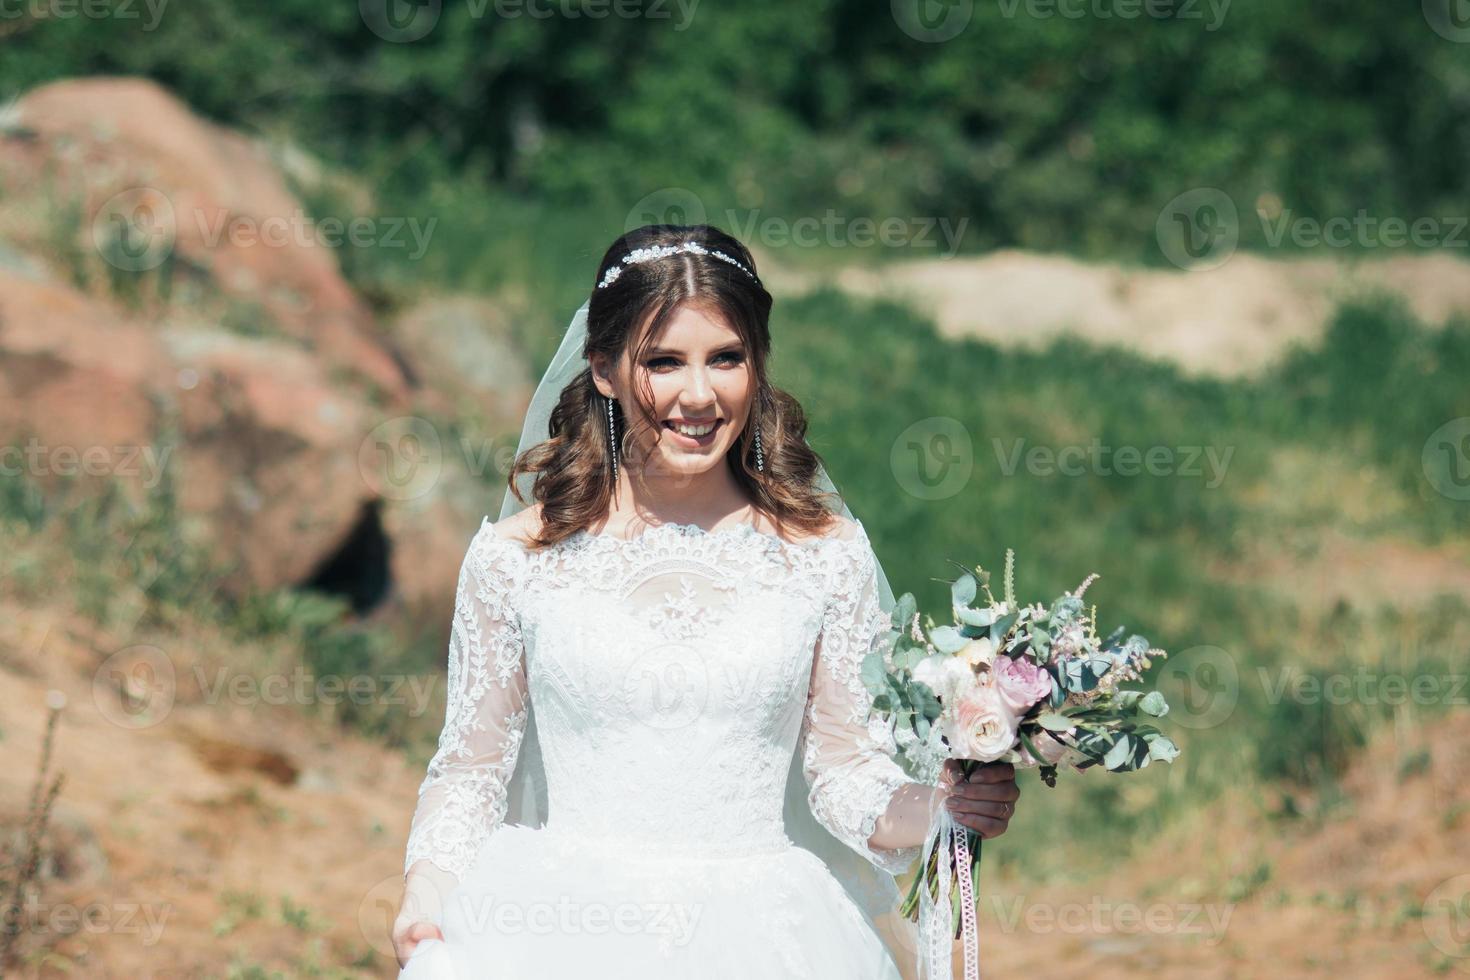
{"points": [[947, 639], [974, 617], [1162, 749], [1120, 754], [1054, 722], [874, 672], [1153, 703], [962, 590], [904, 611], [1000, 626]]}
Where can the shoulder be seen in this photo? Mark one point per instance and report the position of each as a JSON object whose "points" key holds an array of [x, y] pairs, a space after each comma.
{"points": [[843, 528], [844, 557], [839, 528], [498, 551], [518, 528]]}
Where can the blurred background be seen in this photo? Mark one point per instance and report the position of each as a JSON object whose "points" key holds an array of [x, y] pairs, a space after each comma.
{"points": [[1171, 290]]}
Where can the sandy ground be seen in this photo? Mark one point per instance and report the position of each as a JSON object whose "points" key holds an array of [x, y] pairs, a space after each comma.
{"points": [[1230, 320]]}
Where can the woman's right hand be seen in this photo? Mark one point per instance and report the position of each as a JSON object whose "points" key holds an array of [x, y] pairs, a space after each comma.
{"points": [[986, 801], [425, 892], [408, 932]]}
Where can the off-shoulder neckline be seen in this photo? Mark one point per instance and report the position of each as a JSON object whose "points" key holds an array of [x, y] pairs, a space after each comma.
{"points": [[676, 529]]}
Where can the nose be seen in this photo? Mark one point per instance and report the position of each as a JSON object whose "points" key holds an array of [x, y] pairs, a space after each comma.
{"points": [[699, 393]]}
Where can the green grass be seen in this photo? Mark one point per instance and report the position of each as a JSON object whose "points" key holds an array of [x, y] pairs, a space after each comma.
{"points": [[1362, 404], [1328, 443]]}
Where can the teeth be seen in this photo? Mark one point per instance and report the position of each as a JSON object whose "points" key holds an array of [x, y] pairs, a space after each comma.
{"points": [[694, 430]]}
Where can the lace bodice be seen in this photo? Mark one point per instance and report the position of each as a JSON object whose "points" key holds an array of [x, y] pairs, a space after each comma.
{"points": [[673, 676]]}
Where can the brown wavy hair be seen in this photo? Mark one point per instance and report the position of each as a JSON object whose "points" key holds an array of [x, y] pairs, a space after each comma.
{"points": [[572, 468]]}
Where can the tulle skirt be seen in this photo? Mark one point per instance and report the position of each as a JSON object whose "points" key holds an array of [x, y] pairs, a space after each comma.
{"points": [[556, 907]]}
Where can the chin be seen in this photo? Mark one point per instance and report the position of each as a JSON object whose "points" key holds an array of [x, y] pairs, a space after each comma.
{"points": [[691, 464]]}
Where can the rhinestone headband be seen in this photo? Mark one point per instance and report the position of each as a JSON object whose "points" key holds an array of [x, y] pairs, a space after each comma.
{"points": [[663, 251]]}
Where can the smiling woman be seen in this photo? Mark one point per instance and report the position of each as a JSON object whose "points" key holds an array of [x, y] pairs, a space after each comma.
{"points": [[709, 746], [677, 344]]}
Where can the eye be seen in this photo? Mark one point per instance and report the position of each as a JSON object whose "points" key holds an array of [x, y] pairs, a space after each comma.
{"points": [[654, 364], [732, 357]]}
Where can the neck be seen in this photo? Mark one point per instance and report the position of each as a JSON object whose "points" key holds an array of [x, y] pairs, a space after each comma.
{"points": [[701, 498]]}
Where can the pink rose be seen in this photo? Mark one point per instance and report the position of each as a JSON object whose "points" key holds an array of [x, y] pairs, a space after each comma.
{"points": [[980, 725], [1021, 682]]}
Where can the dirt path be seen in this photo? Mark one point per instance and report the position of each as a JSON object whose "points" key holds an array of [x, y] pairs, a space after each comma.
{"points": [[1226, 321], [236, 836]]}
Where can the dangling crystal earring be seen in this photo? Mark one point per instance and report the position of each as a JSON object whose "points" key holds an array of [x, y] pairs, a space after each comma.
{"points": [[612, 441], [760, 459]]}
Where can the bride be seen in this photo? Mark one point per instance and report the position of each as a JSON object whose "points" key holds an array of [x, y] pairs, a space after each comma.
{"points": [[681, 615]]}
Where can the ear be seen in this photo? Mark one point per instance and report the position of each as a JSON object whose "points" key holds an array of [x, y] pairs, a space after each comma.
{"points": [[600, 376]]}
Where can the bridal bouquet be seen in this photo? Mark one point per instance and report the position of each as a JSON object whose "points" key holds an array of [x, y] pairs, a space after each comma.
{"points": [[1031, 685]]}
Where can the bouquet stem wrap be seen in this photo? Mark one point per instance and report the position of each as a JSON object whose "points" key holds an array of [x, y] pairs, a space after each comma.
{"points": [[943, 896]]}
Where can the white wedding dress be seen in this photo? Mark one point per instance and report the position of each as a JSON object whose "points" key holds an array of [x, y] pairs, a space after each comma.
{"points": [[673, 675]]}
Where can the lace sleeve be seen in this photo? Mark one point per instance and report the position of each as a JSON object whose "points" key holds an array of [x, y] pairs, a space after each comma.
{"points": [[847, 757], [462, 799]]}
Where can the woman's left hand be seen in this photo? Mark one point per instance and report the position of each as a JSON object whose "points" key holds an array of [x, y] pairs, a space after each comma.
{"points": [[986, 801]]}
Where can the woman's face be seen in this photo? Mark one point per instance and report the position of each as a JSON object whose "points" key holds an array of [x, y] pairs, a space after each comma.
{"points": [[701, 380]]}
